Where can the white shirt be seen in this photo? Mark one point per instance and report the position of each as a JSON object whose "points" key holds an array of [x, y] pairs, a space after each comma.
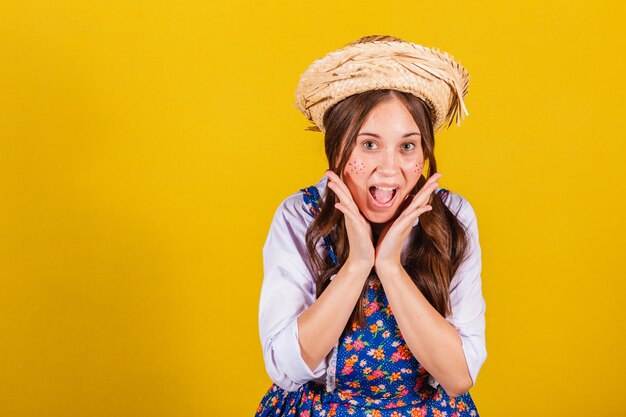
{"points": [[289, 289]]}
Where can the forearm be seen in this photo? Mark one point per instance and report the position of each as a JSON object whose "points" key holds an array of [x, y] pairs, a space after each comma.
{"points": [[433, 341], [321, 325]]}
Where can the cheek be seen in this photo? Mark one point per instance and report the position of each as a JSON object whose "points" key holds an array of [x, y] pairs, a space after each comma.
{"points": [[355, 167], [418, 168]]}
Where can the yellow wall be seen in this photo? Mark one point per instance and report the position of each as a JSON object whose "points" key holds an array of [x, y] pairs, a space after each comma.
{"points": [[144, 146]]}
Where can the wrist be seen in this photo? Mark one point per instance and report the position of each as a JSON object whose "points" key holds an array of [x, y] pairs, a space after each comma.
{"points": [[358, 268], [388, 269]]}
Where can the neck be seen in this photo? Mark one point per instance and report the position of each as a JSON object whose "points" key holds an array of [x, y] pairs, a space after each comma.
{"points": [[377, 229]]}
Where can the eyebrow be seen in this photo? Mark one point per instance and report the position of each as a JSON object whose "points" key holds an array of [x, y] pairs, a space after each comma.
{"points": [[406, 135]]}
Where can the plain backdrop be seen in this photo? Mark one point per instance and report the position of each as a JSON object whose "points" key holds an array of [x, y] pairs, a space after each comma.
{"points": [[145, 145]]}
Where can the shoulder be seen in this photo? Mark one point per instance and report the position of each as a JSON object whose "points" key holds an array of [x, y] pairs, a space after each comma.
{"points": [[294, 207], [286, 241], [468, 272], [459, 206]]}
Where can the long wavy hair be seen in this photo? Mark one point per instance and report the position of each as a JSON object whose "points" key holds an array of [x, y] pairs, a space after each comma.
{"points": [[437, 244]]}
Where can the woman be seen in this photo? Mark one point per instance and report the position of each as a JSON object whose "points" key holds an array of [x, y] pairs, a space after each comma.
{"points": [[371, 302]]}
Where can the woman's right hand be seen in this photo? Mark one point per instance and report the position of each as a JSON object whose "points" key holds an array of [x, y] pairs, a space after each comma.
{"points": [[362, 253]]}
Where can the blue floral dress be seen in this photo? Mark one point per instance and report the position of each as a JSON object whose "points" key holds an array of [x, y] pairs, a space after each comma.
{"points": [[376, 374]]}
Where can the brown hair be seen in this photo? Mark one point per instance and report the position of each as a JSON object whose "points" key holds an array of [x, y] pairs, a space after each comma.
{"points": [[437, 247]]}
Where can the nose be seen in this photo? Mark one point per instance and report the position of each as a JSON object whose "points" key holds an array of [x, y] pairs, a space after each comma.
{"points": [[388, 163]]}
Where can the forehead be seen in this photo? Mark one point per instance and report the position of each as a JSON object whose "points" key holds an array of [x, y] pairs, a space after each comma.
{"points": [[390, 116]]}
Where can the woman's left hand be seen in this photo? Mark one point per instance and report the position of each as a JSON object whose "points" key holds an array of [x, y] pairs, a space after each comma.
{"points": [[396, 232]]}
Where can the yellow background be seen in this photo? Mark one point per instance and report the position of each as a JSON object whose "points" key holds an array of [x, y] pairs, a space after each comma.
{"points": [[144, 146]]}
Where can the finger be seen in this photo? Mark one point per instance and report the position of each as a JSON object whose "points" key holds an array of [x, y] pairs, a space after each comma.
{"points": [[349, 214], [412, 201], [341, 190], [432, 180], [406, 203], [352, 222], [402, 226], [434, 177], [410, 219], [337, 180], [421, 199], [414, 207], [423, 196], [344, 198]]}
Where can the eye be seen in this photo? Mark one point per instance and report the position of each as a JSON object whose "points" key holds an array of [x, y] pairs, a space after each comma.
{"points": [[409, 146], [368, 144]]}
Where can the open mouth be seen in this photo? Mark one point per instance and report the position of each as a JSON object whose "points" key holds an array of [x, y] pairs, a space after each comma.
{"points": [[384, 196]]}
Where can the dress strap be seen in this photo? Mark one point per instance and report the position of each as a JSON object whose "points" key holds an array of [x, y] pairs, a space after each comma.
{"points": [[443, 194], [311, 199]]}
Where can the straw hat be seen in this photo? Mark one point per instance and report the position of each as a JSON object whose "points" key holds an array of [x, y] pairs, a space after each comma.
{"points": [[377, 64]]}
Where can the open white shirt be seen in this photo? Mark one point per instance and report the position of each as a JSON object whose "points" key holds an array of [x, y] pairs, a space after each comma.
{"points": [[289, 289]]}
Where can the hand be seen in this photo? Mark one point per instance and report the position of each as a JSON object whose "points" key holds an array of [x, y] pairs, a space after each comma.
{"points": [[358, 227], [393, 236]]}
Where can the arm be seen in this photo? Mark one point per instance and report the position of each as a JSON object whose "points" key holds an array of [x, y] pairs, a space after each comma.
{"points": [[287, 290], [297, 332], [451, 349], [433, 341], [466, 298], [321, 325]]}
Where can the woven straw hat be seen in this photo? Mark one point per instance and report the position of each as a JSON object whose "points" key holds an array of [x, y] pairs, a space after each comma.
{"points": [[377, 64]]}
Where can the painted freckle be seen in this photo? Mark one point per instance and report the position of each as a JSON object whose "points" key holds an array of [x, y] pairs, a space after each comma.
{"points": [[356, 167]]}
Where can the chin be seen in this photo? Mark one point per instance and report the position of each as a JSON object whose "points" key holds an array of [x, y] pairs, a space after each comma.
{"points": [[380, 218]]}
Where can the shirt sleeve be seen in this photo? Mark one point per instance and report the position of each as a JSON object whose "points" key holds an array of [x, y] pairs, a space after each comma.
{"points": [[466, 298], [288, 289]]}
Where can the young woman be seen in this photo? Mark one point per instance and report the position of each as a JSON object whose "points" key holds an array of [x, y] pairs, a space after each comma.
{"points": [[371, 303]]}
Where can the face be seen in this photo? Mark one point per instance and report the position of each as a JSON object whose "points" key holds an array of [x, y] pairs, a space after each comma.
{"points": [[386, 161]]}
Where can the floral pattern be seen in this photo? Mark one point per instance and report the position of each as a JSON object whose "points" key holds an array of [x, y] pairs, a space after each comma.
{"points": [[377, 376]]}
